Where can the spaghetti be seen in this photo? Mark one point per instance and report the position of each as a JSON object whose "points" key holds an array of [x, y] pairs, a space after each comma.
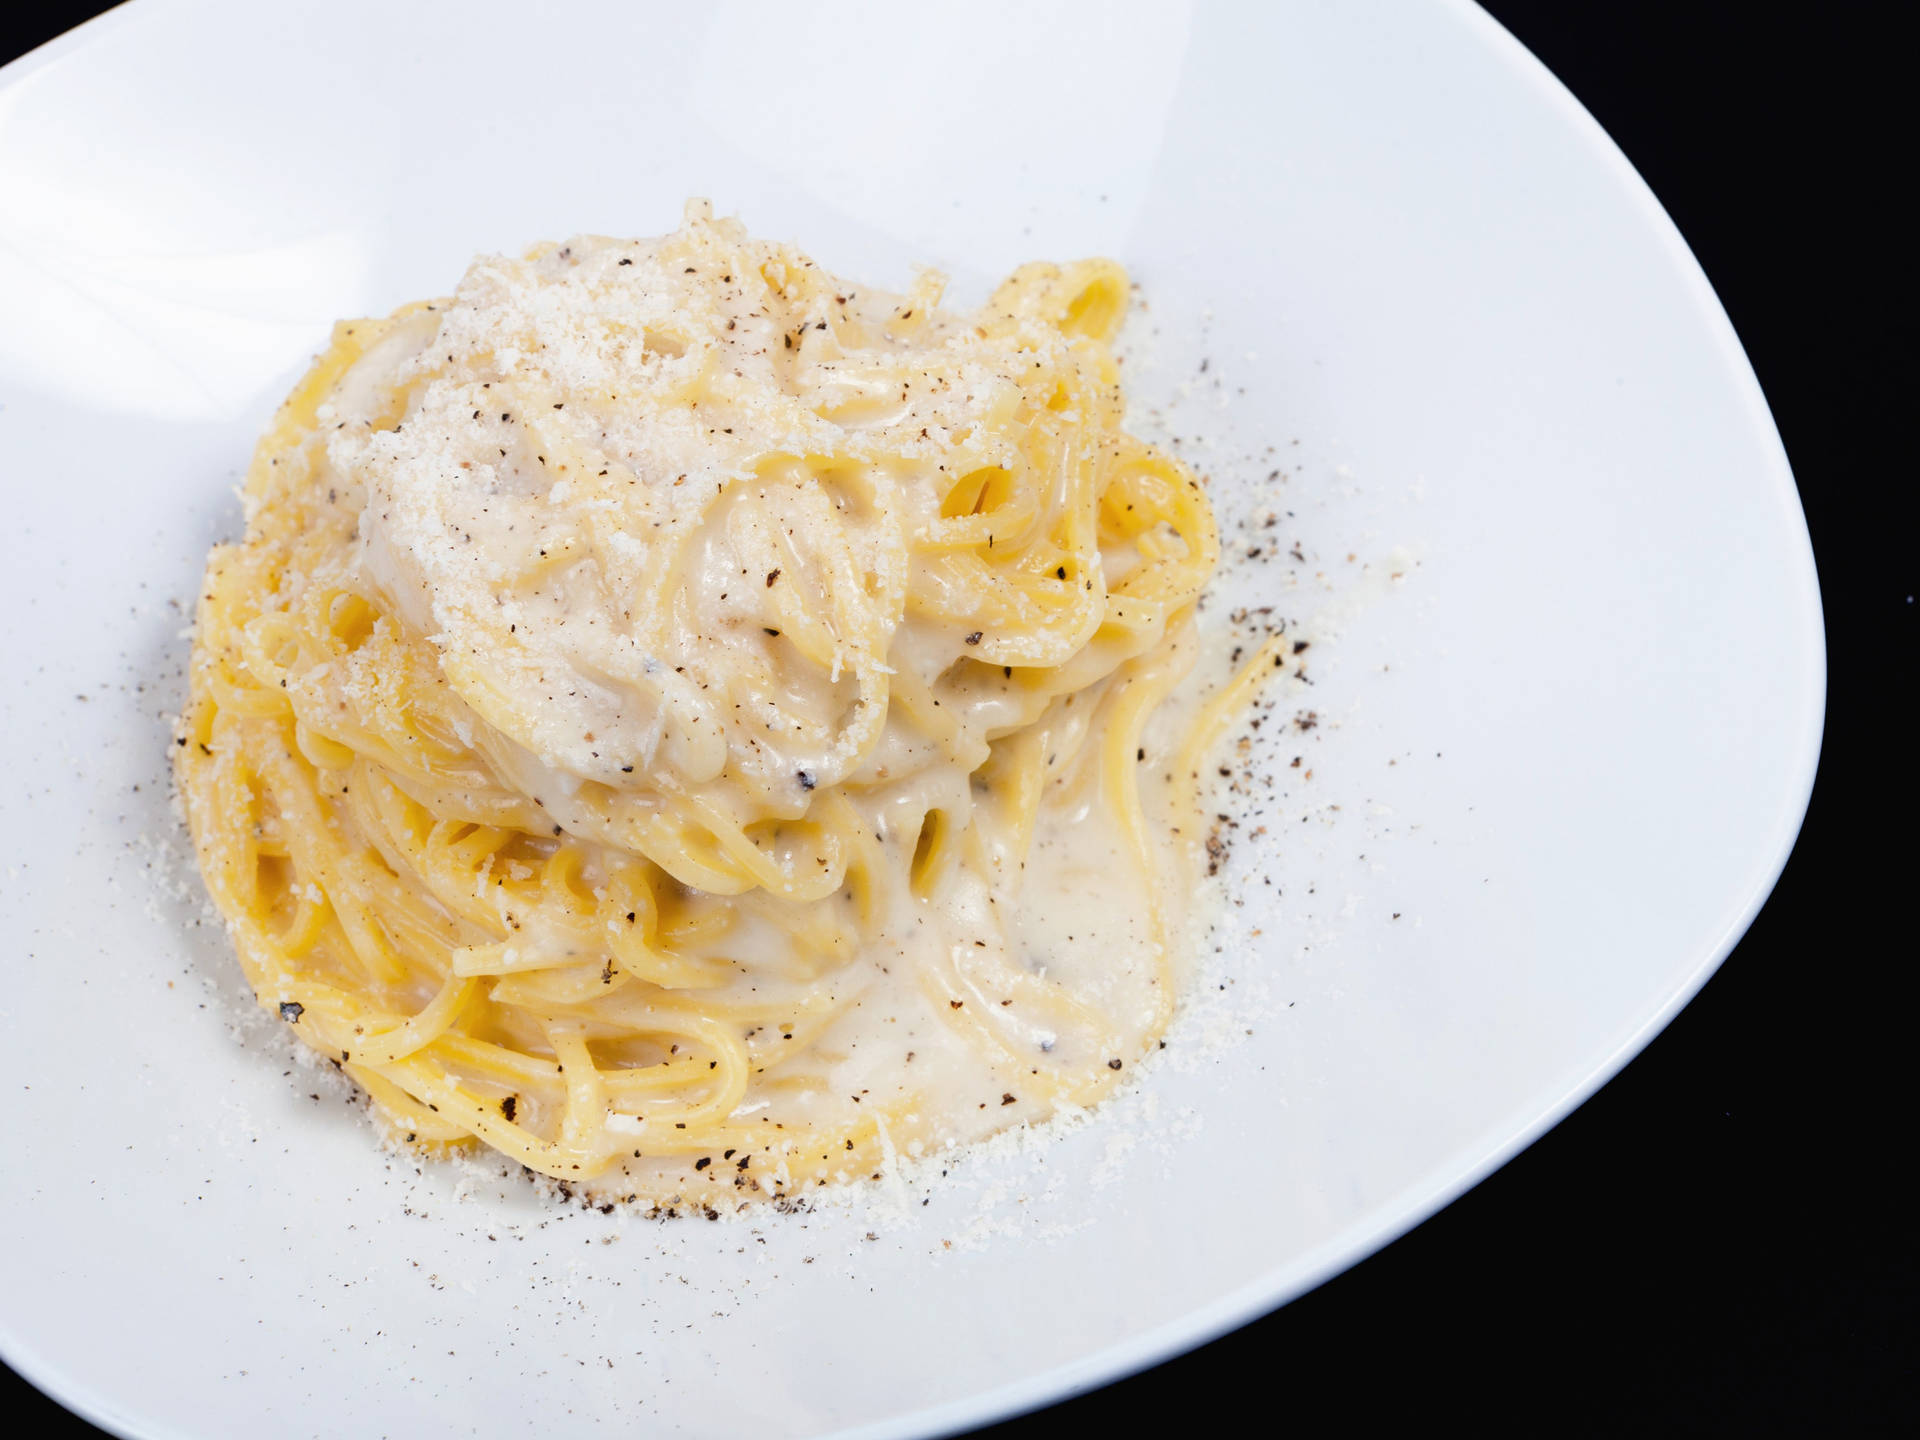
{"points": [[679, 719]]}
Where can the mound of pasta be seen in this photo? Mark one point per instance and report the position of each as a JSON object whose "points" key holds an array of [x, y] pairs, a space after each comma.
{"points": [[680, 719]]}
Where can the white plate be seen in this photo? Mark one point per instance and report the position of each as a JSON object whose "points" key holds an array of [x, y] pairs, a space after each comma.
{"points": [[1569, 750]]}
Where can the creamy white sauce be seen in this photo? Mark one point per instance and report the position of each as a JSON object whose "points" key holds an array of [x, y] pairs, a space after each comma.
{"points": [[617, 465]]}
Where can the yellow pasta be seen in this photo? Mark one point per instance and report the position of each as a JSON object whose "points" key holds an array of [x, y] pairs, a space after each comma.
{"points": [[676, 716]]}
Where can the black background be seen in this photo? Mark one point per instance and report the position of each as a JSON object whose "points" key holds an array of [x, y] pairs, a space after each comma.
{"points": [[1719, 1240]]}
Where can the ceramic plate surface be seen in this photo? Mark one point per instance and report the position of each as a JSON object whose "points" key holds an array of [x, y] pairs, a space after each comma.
{"points": [[1448, 336]]}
